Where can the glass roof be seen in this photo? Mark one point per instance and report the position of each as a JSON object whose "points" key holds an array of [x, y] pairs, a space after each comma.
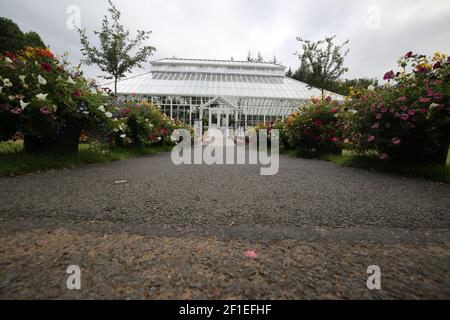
{"points": [[206, 78]]}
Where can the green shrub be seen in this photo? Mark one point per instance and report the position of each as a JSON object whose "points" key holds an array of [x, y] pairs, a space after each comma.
{"points": [[144, 124], [316, 129]]}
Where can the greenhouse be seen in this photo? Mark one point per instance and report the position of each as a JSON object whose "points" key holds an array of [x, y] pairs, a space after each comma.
{"points": [[219, 93]]}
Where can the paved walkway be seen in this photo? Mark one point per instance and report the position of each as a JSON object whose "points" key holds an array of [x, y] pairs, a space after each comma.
{"points": [[181, 232]]}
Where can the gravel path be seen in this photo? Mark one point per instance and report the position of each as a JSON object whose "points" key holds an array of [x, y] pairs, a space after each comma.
{"points": [[180, 232]]}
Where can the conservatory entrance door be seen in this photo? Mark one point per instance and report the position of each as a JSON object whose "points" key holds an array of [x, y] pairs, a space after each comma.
{"points": [[221, 113]]}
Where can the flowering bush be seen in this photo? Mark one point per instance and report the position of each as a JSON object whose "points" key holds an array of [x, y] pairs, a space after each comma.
{"points": [[46, 102], [407, 120], [278, 125], [316, 128], [144, 124]]}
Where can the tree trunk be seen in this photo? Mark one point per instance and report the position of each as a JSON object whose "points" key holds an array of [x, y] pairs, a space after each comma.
{"points": [[115, 86]]}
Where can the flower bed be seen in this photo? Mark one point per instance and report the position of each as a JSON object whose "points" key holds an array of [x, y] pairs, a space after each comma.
{"points": [[316, 129], [407, 120], [47, 103]]}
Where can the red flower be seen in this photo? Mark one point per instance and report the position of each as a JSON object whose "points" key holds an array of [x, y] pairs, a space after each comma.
{"points": [[77, 94], [334, 110], [437, 65], [47, 67], [318, 123]]}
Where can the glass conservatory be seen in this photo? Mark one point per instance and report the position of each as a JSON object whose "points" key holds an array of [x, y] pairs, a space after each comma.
{"points": [[219, 93]]}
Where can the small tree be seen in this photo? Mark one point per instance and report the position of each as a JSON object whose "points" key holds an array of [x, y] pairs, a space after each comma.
{"points": [[114, 56], [249, 57], [322, 61], [260, 57]]}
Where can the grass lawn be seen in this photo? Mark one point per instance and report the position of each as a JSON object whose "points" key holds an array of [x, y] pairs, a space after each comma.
{"points": [[348, 159], [13, 161]]}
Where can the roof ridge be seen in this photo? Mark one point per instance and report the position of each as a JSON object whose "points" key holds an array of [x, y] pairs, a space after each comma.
{"points": [[220, 60]]}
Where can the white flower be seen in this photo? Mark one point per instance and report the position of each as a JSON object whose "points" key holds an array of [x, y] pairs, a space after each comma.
{"points": [[11, 98], [108, 114], [85, 112], [1, 89], [7, 83], [101, 108], [23, 104], [123, 136], [159, 138], [70, 80], [42, 96], [433, 105], [105, 94], [22, 78], [42, 80], [371, 88], [8, 60], [93, 91]]}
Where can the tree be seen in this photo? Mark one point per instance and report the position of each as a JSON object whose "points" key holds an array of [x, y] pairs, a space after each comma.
{"points": [[249, 57], [289, 73], [114, 56], [260, 57], [322, 62], [13, 39]]}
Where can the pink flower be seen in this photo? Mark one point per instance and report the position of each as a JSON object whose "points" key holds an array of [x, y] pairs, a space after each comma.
{"points": [[375, 126], [389, 75], [318, 123], [384, 156], [77, 93], [438, 96], [424, 100], [334, 110], [396, 141], [412, 112], [401, 99], [335, 139], [404, 117], [403, 108], [423, 110], [429, 92], [250, 254], [44, 111], [384, 110], [371, 138], [16, 111], [396, 115], [379, 116]]}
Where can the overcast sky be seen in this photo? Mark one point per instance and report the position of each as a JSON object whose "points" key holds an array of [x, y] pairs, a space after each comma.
{"points": [[379, 30]]}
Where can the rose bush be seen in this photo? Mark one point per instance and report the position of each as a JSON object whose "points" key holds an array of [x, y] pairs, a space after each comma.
{"points": [[143, 124], [316, 129], [48, 103], [278, 125], [407, 120]]}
